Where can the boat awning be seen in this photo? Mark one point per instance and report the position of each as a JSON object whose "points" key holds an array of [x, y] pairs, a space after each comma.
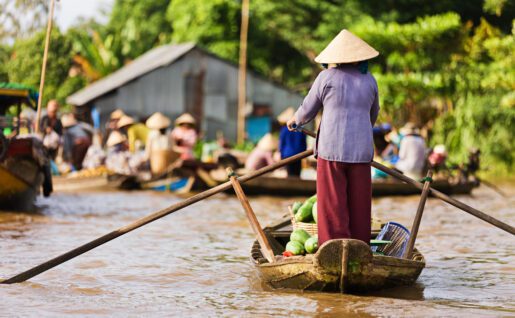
{"points": [[14, 93]]}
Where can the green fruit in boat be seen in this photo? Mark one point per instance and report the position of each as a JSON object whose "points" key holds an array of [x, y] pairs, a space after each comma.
{"points": [[299, 235], [314, 212], [311, 244], [295, 207], [304, 212], [313, 199], [296, 248]]}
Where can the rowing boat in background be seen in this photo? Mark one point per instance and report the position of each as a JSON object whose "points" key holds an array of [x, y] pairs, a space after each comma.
{"points": [[269, 185]]}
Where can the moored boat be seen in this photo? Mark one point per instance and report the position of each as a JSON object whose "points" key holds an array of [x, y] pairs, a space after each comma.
{"points": [[268, 185], [343, 265], [24, 163]]}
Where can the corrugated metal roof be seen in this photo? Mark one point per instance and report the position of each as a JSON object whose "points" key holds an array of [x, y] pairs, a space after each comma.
{"points": [[153, 59]]}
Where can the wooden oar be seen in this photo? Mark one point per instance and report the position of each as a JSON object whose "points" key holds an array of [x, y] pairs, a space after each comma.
{"points": [[251, 216], [148, 219], [437, 194], [418, 217]]}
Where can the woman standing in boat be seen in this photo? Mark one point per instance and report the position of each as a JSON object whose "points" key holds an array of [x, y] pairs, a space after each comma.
{"points": [[347, 93]]}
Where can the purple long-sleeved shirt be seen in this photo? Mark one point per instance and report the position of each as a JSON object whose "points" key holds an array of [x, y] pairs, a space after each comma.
{"points": [[350, 102]]}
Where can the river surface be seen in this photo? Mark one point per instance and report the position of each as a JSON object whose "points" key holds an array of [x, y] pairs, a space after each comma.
{"points": [[195, 263]]}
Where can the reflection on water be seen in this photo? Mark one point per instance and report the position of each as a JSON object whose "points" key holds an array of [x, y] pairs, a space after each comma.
{"points": [[195, 262]]}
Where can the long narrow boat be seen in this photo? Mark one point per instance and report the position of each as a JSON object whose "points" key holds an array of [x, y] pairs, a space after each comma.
{"points": [[345, 266], [302, 187]]}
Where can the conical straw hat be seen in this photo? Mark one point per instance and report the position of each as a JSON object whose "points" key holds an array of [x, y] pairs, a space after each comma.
{"points": [[117, 114], [286, 115], [115, 137], [409, 128], [158, 121], [124, 121], [185, 119], [267, 143], [346, 48], [68, 120], [440, 149]]}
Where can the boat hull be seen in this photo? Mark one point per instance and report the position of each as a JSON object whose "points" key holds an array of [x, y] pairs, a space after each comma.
{"points": [[344, 265], [16, 194], [301, 187]]}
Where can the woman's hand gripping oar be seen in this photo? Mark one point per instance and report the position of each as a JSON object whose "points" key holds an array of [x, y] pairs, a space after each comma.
{"points": [[460, 205], [148, 219]]}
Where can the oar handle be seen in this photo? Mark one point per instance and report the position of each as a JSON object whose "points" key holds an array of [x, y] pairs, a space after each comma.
{"points": [[303, 130]]}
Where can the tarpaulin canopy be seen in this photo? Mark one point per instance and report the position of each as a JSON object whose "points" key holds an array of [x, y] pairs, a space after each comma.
{"points": [[14, 93]]}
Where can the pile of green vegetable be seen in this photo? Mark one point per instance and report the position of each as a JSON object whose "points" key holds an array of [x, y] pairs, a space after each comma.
{"points": [[301, 243], [306, 212]]}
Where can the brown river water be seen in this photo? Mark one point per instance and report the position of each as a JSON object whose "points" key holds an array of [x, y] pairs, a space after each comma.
{"points": [[195, 263]]}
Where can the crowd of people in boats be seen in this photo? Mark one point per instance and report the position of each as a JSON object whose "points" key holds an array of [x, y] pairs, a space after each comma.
{"points": [[129, 146]]}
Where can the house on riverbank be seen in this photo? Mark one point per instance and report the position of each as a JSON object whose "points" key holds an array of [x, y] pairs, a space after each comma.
{"points": [[179, 78]]}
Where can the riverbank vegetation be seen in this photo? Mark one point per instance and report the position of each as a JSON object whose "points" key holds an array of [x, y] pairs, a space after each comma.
{"points": [[446, 65]]}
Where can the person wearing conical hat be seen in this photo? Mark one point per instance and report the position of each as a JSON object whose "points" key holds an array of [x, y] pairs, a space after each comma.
{"points": [[412, 152], [76, 141], [159, 145], [263, 154], [117, 114], [184, 136], [290, 142], [437, 159], [112, 123], [118, 159], [348, 95], [137, 133]]}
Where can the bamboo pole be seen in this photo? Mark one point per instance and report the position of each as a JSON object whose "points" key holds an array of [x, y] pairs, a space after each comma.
{"points": [[242, 71], [251, 216], [43, 67], [460, 205], [408, 253], [43, 267]]}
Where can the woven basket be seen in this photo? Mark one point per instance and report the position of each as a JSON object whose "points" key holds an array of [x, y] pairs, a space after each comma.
{"points": [[311, 228]]}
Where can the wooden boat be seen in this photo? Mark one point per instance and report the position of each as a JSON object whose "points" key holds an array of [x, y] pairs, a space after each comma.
{"points": [[67, 184], [19, 192], [186, 176], [346, 266], [24, 164], [23, 173], [268, 185]]}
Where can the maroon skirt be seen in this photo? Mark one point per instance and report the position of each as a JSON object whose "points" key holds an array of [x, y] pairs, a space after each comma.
{"points": [[344, 200]]}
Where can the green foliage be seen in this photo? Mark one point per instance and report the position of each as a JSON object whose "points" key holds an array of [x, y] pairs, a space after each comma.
{"points": [[4, 58], [484, 113], [246, 146], [94, 54], [27, 58], [135, 27], [494, 6], [215, 25]]}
